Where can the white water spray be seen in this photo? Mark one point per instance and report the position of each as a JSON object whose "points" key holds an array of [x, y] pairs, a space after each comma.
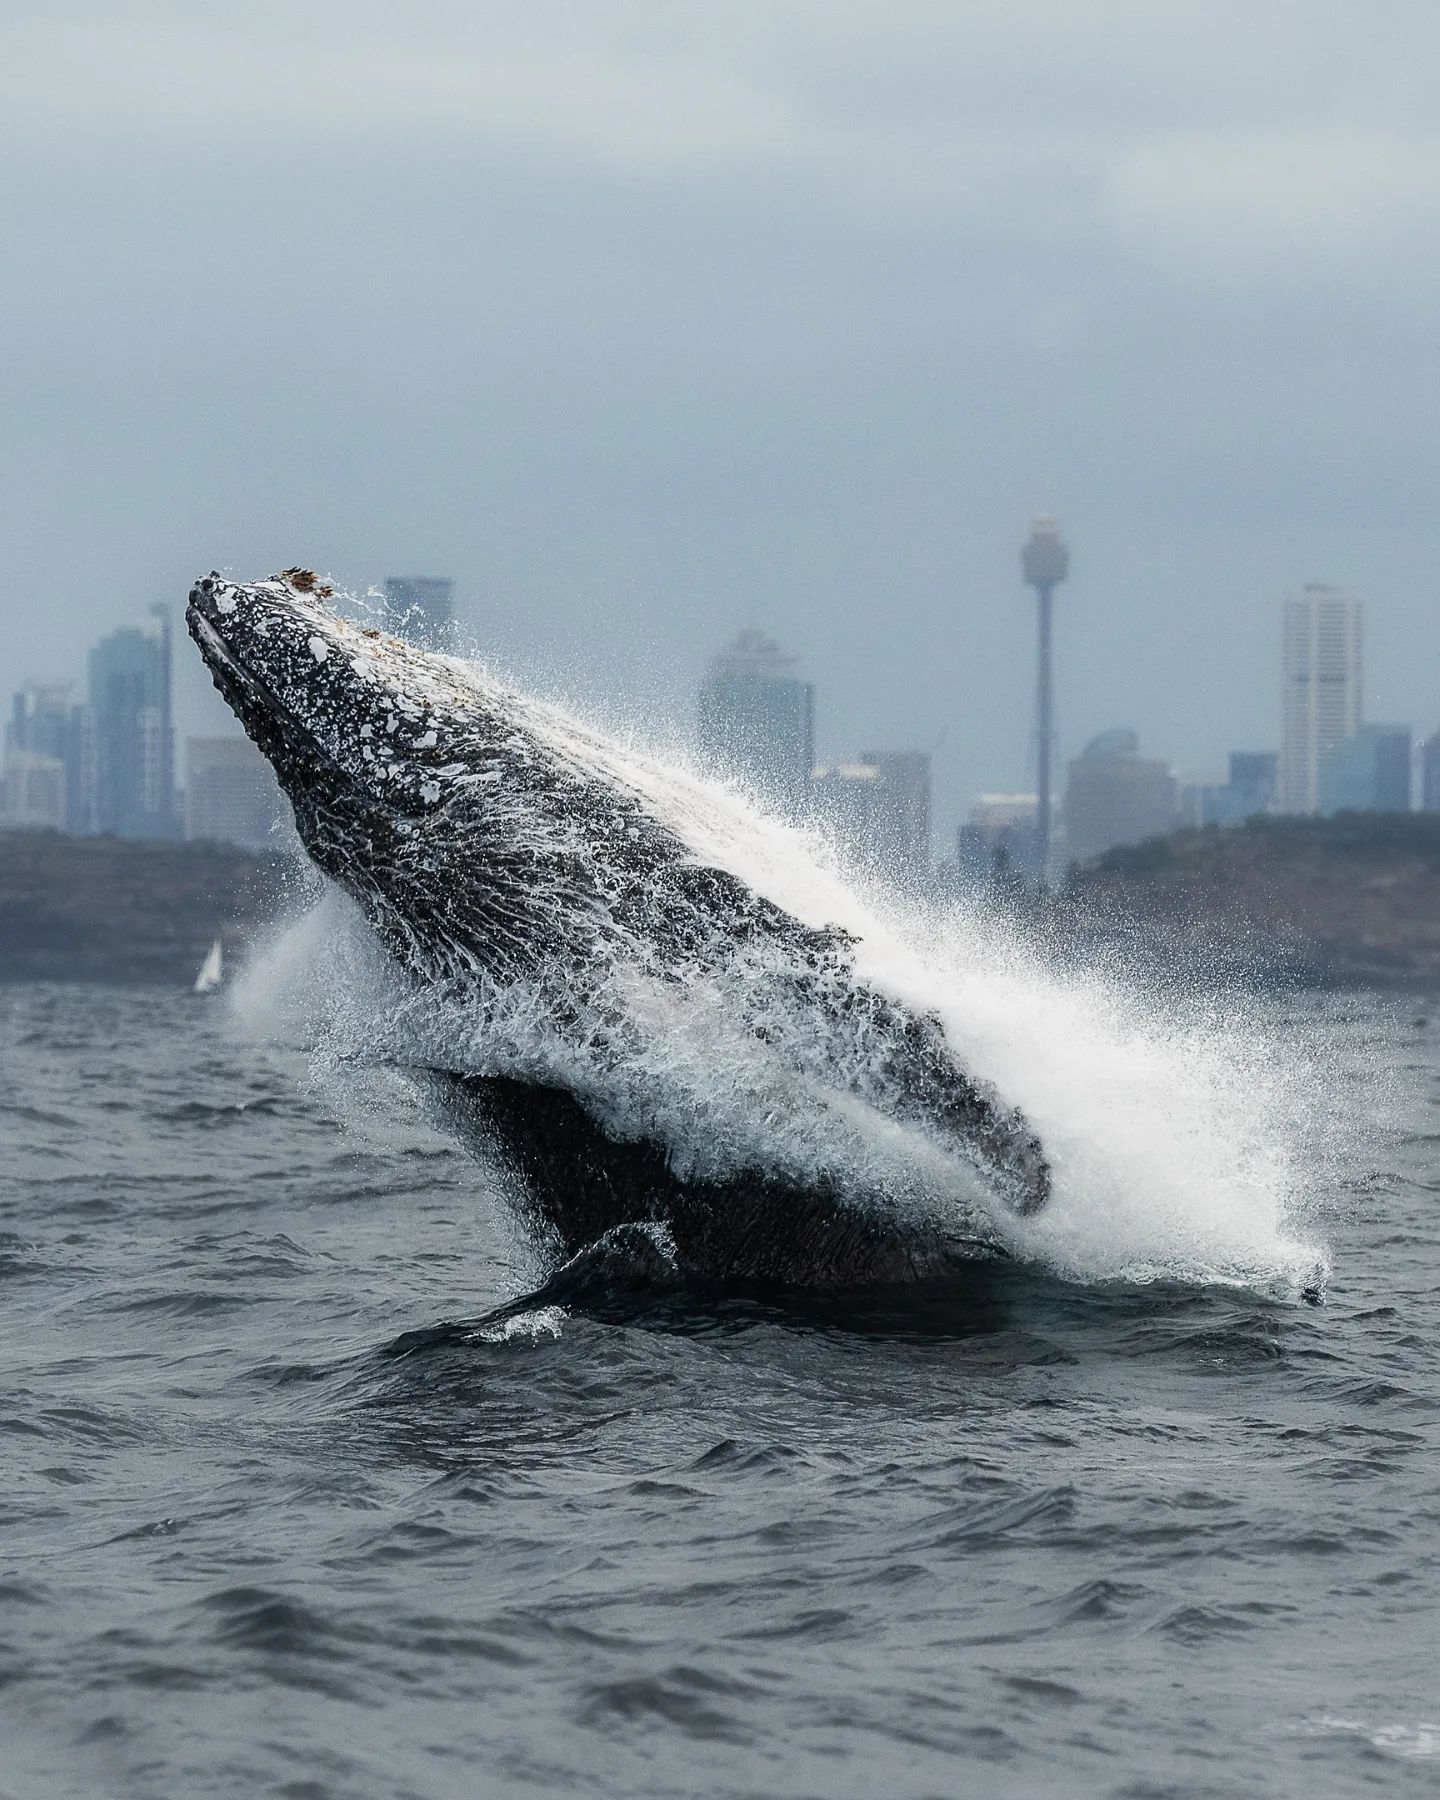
{"points": [[1175, 1145]]}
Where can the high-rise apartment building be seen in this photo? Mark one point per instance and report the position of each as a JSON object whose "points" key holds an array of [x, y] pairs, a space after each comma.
{"points": [[422, 607], [1321, 676], [82, 775], [231, 794], [134, 739], [757, 719]]}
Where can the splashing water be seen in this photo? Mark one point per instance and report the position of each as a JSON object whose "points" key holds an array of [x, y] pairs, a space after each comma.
{"points": [[1177, 1143]]}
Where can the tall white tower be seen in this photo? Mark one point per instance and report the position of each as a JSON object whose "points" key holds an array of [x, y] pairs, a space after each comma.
{"points": [[1321, 707]]}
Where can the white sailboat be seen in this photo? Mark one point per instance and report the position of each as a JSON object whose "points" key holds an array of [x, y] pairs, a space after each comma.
{"points": [[212, 970]]}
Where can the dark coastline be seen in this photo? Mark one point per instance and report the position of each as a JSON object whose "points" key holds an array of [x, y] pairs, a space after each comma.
{"points": [[113, 912], [1348, 902]]}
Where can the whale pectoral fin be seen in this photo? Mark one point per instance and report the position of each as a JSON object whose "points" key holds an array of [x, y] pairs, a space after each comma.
{"points": [[923, 1067], [1020, 1151]]}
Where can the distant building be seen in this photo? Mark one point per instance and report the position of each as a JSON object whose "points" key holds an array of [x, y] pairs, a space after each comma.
{"points": [[1255, 774], [44, 722], [1369, 772], [851, 802], [999, 841], [134, 741], [82, 773], [422, 608], [877, 811], [1249, 790], [1116, 796], [32, 791], [231, 794], [757, 719], [1430, 773], [1213, 803], [40, 719], [903, 847], [1321, 676]]}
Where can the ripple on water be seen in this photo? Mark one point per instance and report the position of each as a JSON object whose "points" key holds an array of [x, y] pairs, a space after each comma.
{"points": [[700, 1704], [1019, 1537]]}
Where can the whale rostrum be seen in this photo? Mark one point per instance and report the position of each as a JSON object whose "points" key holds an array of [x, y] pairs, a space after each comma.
{"points": [[639, 1033]]}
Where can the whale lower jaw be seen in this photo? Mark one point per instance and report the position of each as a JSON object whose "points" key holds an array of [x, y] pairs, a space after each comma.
{"points": [[755, 1229]]}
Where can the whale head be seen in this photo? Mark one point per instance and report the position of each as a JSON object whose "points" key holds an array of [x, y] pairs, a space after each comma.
{"points": [[344, 699], [395, 760]]}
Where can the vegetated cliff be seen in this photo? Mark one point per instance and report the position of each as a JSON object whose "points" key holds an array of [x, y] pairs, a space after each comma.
{"points": [[111, 910], [1348, 901]]}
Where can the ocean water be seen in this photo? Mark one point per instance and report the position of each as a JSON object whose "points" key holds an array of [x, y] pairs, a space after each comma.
{"points": [[303, 1497]]}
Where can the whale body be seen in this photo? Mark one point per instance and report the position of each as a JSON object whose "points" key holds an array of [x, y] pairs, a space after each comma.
{"points": [[584, 975]]}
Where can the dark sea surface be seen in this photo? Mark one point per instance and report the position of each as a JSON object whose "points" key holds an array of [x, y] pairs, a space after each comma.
{"points": [[275, 1524]]}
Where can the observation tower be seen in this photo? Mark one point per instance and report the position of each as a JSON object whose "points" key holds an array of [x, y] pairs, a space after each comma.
{"points": [[1045, 560]]}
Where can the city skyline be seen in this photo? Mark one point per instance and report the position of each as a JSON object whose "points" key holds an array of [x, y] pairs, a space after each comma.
{"points": [[110, 762], [1008, 764], [763, 350]]}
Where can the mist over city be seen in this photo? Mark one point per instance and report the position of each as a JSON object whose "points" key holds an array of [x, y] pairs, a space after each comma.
{"points": [[719, 900]]}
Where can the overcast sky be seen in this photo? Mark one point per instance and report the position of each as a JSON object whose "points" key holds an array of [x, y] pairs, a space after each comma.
{"points": [[649, 321]]}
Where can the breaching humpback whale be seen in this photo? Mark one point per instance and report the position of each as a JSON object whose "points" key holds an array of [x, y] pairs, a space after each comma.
{"points": [[528, 885]]}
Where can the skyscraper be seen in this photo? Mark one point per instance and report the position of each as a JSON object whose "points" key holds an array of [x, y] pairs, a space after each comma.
{"points": [[423, 609], [757, 719], [878, 813], [1116, 796], [134, 739], [1321, 676]]}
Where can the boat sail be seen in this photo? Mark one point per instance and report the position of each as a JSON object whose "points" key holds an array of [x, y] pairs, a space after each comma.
{"points": [[212, 970]]}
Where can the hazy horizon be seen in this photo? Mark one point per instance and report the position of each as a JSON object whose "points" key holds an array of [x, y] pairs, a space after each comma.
{"points": [[644, 327]]}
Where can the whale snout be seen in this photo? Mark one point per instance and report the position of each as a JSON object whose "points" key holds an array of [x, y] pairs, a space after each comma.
{"points": [[215, 615], [206, 595]]}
